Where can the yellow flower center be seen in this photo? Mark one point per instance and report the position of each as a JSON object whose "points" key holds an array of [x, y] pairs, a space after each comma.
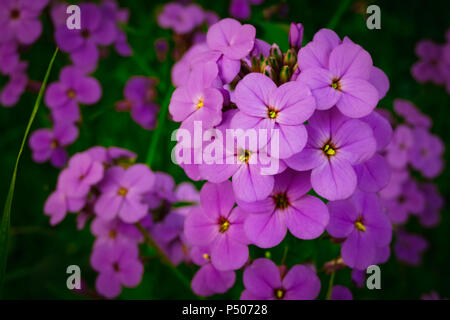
{"points": [[279, 293], [244, 156], [200, 103], [122, 192], [224, 225], [71, 93], [335, 84], [272, 113], [329, 150], [54, 144], [359, 226], [206, 256]]}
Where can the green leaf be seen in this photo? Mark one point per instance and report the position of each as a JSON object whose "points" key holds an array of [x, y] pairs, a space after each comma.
{"points": [[4, 228]]}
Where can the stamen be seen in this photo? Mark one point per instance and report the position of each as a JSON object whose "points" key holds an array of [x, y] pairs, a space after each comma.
{"points": [[335, 84], [359, 225], [272, 113], [279, 293], [122, 192], [281, 201], [329, 149], [200, 103], [224, 224], [71, 93], [206, 256], [244, 156]]}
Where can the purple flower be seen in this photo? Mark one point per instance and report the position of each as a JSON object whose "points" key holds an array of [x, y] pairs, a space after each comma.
{"points": [[220, 227], [426, 153], [168, 234], [232, 39], [111, 9], [122, 193], [19, 20], [363, 224], [182, 69], [331, 152], [341, 293], [72, 89], [49, 144], [288, 207], [208, 280], [409, 200], [163, 190], [264, 106], [411, 113], [296, 35], [198, 100], [182, 19], [263, 280], [9, 57], [397, 152], [429, 67], [16, 85], [81, 174], [430, 216], [118, 265], [409, 247], [97, 29], [139, 93], [240, 9], [110, 232], [344, 83], [112, 155]]}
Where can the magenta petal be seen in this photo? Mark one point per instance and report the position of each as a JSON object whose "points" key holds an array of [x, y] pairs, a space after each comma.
{"points": [[250, 185], [380, 81], [301, 283], [359, 250], [350, 60], [108, 284], [108, 205], [319, 81], [358, 99], [334, 180], [265, 230], [217, 199], [374, 174], [307, 217], [252, 94], [199, 228], [342, 218], [226, 254], [131, 272], [261, 278], [88, 91], [309, 158], [355, 148]]}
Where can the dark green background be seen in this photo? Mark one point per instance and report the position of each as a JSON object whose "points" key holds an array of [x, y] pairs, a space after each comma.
{"points": [[39, 254]]}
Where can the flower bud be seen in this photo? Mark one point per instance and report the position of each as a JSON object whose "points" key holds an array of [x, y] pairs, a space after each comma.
{"points": [[296, 35]]}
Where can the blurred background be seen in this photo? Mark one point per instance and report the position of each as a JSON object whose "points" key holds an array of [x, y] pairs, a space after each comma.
{"points": [[39, 254]]}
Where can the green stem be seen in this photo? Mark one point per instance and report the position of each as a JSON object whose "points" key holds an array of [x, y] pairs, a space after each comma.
{"points": [[163, 257], [283, 260], [338, 14], [160, 127], [330, 286], [5, 223]]}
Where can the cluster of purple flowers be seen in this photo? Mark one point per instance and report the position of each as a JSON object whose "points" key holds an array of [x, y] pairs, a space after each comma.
{"points": [[100, 28], [333, 145], [434, 63], [120, 197], [20, 24]]}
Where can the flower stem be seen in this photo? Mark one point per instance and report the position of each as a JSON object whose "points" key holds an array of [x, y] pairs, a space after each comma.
{"points": [[344, 4], [163, 257], [330, 286], [5, 223]]}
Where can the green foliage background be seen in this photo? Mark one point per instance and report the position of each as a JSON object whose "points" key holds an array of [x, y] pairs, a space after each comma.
{"points": [[39, 254]]}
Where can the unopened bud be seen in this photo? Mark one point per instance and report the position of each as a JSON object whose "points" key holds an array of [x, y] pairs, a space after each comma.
{"points": [[296, 35]]}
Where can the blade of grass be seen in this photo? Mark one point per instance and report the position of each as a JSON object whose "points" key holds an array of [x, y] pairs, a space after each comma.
{"points": [[4, 228], [338, 14]]}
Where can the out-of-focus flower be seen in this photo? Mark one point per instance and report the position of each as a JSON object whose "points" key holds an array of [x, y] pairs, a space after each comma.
{"points": [[19, 20], [409, 247], [122, 193], [240, 9], [73, 88], [118, 265], [49, 144], [341, 293]]}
